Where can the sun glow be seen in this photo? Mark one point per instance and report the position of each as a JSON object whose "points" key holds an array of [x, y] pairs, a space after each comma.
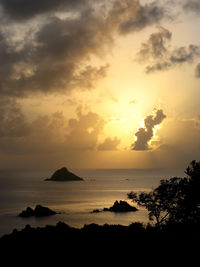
{"points": [[123, 120], [155, 129], [127, 117], [142, 125], [155, 141]]}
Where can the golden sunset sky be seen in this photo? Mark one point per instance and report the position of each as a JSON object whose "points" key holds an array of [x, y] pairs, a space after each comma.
{"points": [[99, 83]]}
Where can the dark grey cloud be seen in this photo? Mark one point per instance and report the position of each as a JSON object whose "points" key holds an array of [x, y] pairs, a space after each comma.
{"points": [[88, 77], [185, 54], [156, 45], [21, 10], [55, 55], [109, 144], [131, 15], [191, 5], [162, 66], [156, 50], [53, 61], [144, 135], [178, 56], [126, 15]]}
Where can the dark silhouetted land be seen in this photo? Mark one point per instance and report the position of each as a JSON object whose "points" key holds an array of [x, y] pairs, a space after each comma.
{"points": [[63, 175], [39, 211], [116, 242], [118, 206], [121, 206]]}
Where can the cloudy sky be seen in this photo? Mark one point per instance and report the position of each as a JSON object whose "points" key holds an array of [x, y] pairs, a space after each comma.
{"points": [[99, 83]]}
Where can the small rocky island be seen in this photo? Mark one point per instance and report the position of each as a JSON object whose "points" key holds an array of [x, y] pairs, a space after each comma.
{"points": [[39, 211], [118, 206], [63, 175]]}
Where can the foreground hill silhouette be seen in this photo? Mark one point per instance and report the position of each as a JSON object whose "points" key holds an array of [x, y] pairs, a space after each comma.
{"points": [[100, 242], [64, 175]]}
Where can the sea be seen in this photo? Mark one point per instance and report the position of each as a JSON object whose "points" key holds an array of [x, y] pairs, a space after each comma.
{"points": [[74, 201]]}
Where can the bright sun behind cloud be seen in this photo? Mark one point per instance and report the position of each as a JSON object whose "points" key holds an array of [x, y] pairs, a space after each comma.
{"points": [[80, 78]]}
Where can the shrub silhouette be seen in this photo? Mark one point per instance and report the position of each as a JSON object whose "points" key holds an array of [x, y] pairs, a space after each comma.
{"points": [[176, 200]]}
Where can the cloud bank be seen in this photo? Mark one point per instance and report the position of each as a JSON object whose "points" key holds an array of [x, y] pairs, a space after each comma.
{"points": [[47, 134], [52, 52]]}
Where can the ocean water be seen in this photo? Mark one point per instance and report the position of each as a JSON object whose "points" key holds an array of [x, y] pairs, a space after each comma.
{"points": [[74, 201]]}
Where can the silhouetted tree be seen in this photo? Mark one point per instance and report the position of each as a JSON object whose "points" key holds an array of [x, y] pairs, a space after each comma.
{"points": [[174, 200], [160, 202]]}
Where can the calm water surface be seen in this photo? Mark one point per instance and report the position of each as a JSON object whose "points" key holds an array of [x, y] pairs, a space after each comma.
{"points": [[74, 200]]}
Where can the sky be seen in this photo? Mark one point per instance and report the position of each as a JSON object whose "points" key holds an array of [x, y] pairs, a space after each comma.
{"points": [[99, 84]]}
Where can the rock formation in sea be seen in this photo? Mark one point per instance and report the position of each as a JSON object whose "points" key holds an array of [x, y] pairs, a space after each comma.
{"points": [[118, 206], [39, 211], [64, 175]]}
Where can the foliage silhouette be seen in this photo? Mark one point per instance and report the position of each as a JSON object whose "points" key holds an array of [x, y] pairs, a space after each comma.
{"points": [[176, 200]]}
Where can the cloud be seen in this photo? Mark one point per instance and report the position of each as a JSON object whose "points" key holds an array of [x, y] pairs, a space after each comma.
{"points": [[84, 131], [52, 61], [21, 10], [192, 5], [157, 52], [47, 134], [156, 45], [134, 17], [130, 14], [176, 57], [88, 77], [50, 134], [109, 144], [183, 54], [53, 53], [144, 135], [12, 121], [44, 135], [158, 67]]}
